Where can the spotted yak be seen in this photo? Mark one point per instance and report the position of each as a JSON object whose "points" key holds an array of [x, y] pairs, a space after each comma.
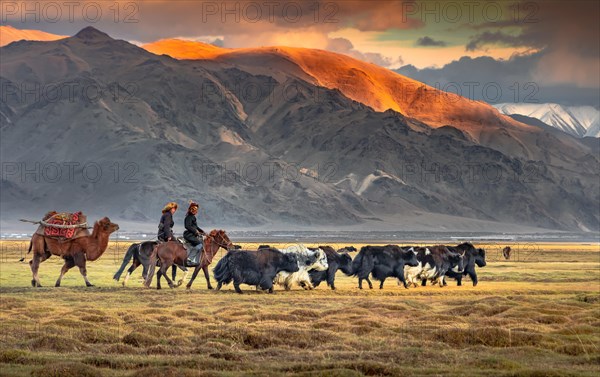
{"points": [[472, 257], [336, 260], [434, 262]]}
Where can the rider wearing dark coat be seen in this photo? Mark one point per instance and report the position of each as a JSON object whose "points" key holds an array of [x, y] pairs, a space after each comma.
{"points": [[193, 234], [165, 226]]}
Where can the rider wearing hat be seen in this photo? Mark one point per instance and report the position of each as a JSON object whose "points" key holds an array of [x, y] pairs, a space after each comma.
{"points": [[193, 235], [165, 227]]}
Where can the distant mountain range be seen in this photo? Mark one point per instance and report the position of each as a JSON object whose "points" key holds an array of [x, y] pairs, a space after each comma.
{"points": [[273, 137], [579, 121]]}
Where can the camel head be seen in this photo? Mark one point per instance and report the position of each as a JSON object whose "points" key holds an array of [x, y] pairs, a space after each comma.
{"points": [[105, 226]]}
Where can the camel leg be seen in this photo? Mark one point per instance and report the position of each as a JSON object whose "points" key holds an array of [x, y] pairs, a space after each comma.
{"points": [[206, 275], [69, 263], [79, 259], [35, 265]]}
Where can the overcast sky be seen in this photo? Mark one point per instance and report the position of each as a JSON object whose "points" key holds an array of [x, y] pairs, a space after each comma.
{"points": [[554, 45]]}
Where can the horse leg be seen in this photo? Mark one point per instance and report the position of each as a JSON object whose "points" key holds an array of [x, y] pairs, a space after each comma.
{"points": [[164, 268], [369, 281], [134, 265], [381, 283], [185, 274], [79, 260], [69, 263], [144, 270], [206, 275], [196, 270], [174, 272], [158, 276]]}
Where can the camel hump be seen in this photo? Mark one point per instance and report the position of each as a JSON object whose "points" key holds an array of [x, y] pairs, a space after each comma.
{"points": [[63, 225]]}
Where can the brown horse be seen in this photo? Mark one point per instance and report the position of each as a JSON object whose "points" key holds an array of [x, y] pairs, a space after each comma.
{"points": [[75, 252], [174, 253]]}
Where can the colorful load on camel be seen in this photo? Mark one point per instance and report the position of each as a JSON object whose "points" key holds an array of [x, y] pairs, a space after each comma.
{"points": [[63, 225]]}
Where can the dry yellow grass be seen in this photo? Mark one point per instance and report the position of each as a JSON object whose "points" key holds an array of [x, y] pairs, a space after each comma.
{"points": [[534, 315]]}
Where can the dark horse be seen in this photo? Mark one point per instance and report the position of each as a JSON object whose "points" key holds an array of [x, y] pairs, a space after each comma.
{"points": [[174, 254], [140, 253]]}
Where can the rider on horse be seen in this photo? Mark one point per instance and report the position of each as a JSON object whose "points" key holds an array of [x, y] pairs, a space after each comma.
{"points": [[193, 235], [165, 227]]}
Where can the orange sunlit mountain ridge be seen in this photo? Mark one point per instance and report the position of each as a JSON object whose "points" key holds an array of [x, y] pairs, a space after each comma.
{"points": [[9, 34], [367, 83]]}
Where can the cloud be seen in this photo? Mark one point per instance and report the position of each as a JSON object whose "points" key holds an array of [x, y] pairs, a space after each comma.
{"points": [[567, 33], [429, 42], [341, 45], [147, 21], [516, 80], [344, 46], [486, 38]]}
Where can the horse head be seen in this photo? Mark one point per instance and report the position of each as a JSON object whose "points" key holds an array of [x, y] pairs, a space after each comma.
{"points": [[220, 238]]}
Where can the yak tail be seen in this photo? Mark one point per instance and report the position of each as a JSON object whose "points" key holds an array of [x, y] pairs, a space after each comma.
{"points": [[152, 266], [357, 263], [362, 262], [222, 271], [126, 259]]}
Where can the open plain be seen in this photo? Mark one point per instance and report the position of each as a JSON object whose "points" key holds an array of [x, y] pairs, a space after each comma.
{"points": [[537, 314]]}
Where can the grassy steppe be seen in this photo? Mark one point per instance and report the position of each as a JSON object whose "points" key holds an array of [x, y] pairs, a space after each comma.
{"points": [[537, 315]]}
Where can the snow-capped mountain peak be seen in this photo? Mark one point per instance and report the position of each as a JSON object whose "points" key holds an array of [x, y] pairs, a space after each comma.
{"points": [[579, 121]]}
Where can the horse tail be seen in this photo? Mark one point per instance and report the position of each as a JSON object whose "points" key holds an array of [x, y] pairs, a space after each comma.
{"points": [[152, 266], [126, 259], [222, 271]]}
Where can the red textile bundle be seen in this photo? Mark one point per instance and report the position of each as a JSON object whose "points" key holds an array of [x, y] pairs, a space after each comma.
{"points": [[61, 219]]}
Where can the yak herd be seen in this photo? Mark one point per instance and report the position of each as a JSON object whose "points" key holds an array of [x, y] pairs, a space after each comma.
{"points": [[309, 267]]}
